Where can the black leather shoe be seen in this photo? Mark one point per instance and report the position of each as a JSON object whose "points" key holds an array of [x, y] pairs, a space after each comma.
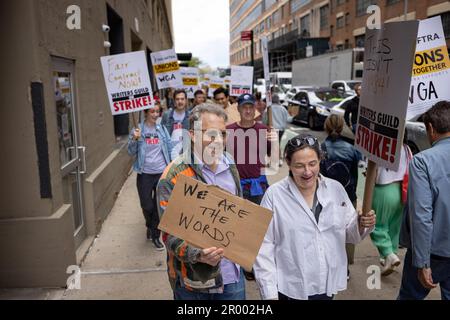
{"points": [[158, 245], [149, 234]]}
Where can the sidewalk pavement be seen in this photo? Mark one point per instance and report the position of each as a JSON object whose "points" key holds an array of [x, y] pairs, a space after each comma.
{"points": [[123, 265]]}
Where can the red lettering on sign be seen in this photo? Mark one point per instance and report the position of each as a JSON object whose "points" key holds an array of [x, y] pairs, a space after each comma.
{"points": [[376, 144]]}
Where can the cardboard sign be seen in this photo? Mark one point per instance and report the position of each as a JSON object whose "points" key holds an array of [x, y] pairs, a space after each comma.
{"points": [[430, 81], [214, 83], [167, 69], [241, 80], [265, 54], [190, 81], [206, 216], [127, 82], [388, 59], [233, 114]]}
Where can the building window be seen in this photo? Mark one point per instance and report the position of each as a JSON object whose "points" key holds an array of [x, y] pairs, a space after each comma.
{"points": [[360, 41], [268, 23], [276, 17], [304, 26], [331, 31], [324, 11], [339, 2], [347, 44], [361, 6], [247, 4], [445, 17], [268, 4], [261, 27], [347, 19], [298, 4], [340, 22]]}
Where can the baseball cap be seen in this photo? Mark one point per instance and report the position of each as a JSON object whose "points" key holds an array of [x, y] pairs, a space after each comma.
{"points": [[246, 99]]}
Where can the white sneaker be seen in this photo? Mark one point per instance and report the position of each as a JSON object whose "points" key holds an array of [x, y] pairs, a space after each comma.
{"points": [[391, 262], [280, 163]]}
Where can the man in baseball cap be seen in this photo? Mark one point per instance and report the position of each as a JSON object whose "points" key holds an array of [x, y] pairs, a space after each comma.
{"points": [[249, 154], [246, 99]]}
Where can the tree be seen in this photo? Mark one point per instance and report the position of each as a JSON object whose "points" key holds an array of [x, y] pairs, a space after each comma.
{"points": [[195, 62]]}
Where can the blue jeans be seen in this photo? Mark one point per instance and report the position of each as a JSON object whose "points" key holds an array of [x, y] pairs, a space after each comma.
{"points": [[412, 289], [233, 291]]}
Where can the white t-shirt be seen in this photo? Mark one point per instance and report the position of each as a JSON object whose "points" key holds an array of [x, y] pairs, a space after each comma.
{"points": [[386, 176], [177, 133]]}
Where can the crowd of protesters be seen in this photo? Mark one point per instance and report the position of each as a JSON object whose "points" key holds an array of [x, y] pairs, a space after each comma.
{"points": [[310, 240]]}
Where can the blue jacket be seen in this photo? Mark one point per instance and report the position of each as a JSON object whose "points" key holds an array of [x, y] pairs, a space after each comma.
{"points": [[137, 148], [341, 150], [426, 220], [167, 121]]}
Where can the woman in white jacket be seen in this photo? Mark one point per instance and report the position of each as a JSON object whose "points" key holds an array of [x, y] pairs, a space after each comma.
{"points": [[303, 253]]}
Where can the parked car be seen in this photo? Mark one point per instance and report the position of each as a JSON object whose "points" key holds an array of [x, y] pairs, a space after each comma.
{"points": [[290, 94], [276, 89], [416, 133], [314, 105], [346, 86]]}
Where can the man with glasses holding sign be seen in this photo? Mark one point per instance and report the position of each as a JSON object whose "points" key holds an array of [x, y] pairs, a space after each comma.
{"points": [[303, 253], [197, 274]]}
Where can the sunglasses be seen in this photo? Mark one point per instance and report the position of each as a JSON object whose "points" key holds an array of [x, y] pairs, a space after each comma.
{"points": [[298, 142]]}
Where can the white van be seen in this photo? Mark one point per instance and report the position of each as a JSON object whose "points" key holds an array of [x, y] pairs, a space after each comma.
{"points": [[282, 79]]}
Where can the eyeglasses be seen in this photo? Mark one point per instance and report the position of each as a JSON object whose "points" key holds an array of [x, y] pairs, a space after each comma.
{"points": [[298, 142]]}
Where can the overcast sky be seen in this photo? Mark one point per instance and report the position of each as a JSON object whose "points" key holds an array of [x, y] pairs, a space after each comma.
{"points": [[202, 27]]}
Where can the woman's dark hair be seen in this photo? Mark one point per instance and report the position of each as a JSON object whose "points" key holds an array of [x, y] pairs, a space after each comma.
{"points": [[334, 126], [301, 142]]}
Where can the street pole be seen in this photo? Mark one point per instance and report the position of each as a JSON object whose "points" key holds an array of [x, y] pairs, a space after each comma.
{"points": [[252, 56], [405, 10]]}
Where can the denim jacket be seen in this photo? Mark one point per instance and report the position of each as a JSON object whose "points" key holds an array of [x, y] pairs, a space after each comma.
{"points": [[137, 148], [341, 150]]}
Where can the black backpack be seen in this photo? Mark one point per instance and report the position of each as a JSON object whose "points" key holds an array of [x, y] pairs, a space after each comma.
{"points": [[342, 171]]}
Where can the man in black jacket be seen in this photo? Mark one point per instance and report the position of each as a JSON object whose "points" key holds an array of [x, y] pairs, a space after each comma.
{"points": [[351, 109]]}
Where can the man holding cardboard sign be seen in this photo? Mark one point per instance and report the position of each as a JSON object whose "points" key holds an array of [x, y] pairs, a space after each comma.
{"points": [[195, 273]]}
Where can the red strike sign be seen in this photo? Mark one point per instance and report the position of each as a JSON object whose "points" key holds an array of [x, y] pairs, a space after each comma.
{"points": [[132, 104], [239, 91], [379, 145]]}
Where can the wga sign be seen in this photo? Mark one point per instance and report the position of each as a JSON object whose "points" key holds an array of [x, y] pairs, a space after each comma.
{"points": [[74, 280]]}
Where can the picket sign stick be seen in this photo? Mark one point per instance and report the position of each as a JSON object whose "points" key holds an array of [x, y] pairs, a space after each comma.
{"points": [[269, 117], [371, 175], [134, 120]]}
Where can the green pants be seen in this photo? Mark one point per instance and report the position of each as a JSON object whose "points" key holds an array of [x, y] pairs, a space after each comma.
{"points": [[389, 210]]}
